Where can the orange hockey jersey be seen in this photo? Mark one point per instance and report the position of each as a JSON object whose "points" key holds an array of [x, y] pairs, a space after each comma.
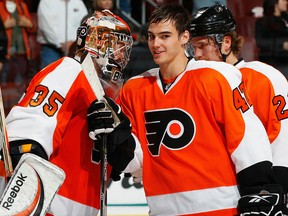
{"points": [[53, 112], [195, 138], [268, 90]]}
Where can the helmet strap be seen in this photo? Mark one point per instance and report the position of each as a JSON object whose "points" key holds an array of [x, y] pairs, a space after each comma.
{"points": [[224, 56]]}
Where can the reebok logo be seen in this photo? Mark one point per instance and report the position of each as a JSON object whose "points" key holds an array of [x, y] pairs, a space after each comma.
{"points": [[257, 198], [14, 191]]}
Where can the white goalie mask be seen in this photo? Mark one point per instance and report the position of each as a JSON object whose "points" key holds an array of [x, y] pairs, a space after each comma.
{"points": [[108, 40]]}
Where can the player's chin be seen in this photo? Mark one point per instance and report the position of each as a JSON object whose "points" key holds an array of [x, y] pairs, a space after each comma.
{"points": [[158, 60]]}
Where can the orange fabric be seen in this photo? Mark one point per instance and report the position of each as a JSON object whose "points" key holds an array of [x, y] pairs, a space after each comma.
{"points": [[22, 10], [195, 138], [204, 165], [258, 85], [62, 119], [226, 212], [2, 169]]}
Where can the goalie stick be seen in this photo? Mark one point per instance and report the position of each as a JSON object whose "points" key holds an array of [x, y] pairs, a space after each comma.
{"points": [[93, 79], [4, 141]]}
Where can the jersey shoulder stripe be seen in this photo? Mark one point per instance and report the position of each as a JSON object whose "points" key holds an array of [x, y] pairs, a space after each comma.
{"points": [[229, 72]]}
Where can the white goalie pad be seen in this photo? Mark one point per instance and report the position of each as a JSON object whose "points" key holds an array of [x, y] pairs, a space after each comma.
{"points": [[32, 187]]}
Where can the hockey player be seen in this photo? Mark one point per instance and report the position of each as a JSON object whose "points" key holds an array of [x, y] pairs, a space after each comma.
{"points": [[214, 38], [50, 118], [199, 135]]}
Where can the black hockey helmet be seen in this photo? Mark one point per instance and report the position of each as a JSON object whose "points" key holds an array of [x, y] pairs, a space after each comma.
{"points": [[213, 20]]}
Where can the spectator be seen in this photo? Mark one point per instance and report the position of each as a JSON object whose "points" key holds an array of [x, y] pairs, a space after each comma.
{"points": [[271, 32], [57, 23], [51, 116], [18, 24], [98, 5], [103, 4], [3, 45]]}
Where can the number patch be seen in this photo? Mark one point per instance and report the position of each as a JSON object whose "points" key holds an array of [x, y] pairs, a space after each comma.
{"points": [[52, 105], [281, 113], [241, 101]]}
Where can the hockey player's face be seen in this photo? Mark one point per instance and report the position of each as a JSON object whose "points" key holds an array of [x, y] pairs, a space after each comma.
{"points": [[164, 42], [205, 49]]}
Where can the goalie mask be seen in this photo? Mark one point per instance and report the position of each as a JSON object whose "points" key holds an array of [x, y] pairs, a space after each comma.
{"points": [[108, 40]]}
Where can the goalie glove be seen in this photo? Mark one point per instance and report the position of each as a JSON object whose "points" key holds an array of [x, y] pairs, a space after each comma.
{"points": [[107, 117], [270, 201], [100, 119]]}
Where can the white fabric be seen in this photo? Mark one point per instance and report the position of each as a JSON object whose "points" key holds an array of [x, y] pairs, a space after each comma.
{"points": [[280, 87], [194, 201], [11, 6], [52, 20], [28, 118], [61, 205]]}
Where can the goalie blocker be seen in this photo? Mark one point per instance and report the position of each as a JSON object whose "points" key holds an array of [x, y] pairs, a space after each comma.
{"points": [[32, 187]]}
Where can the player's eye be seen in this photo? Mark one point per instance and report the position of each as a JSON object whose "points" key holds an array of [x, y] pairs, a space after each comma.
{"points": [[200, 45], [164, 36], [151, 37]]}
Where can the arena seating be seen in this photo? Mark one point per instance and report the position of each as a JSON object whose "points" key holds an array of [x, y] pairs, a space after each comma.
{"points": [[242, 12]]}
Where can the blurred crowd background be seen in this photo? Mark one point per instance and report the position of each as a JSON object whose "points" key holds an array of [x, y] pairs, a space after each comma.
{"points": [[36, 32]]}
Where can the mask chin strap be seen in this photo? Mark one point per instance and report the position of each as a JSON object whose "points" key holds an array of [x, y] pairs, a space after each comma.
{"points": [[218, 39], [224, 56]]}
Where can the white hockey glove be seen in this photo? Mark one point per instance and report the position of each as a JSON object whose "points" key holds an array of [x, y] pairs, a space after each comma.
{"points": [[107, 117], [269, 202]]}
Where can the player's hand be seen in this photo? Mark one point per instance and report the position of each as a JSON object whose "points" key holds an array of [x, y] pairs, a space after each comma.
{"points": [[100, 119], [269, 201], [107, 117]]}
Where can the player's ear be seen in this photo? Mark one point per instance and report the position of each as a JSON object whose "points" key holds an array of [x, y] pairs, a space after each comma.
{"points": [[184, 37], [226, 44]]}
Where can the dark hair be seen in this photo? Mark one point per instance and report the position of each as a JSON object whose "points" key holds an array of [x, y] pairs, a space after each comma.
{"points": [[175, 13], [236, 42], [269, 7]]}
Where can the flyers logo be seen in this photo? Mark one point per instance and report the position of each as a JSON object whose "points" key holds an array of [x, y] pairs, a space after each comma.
{"points": [[171, 128]]}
